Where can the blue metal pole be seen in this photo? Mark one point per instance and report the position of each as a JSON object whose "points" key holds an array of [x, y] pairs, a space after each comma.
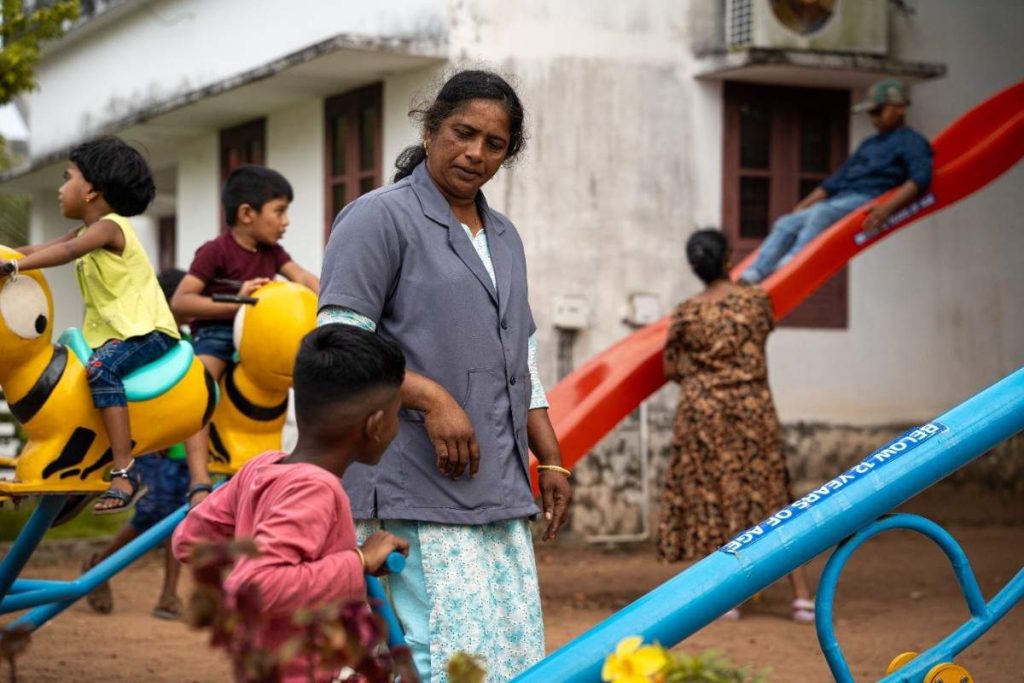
{"points": [[830, 580], [381, 605], [28, 539], [799, 532], [22, 585], [58, 598]]}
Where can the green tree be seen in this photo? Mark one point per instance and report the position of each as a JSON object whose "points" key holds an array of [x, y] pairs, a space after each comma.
{"points": [[21, 35]]}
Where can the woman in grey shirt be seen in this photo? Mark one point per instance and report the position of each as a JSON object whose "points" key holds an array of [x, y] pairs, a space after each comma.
{"points": [[427, 263]]}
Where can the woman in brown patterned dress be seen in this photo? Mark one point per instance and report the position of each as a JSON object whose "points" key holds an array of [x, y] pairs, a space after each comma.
{"points": [[727, 471]]}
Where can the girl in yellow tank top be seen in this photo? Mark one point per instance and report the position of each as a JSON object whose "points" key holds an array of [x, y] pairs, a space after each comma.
{"points": [[127, 321]]}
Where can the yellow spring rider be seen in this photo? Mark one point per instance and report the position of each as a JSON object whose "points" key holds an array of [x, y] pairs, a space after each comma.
{"points": [[250, 418], [46, 388]]}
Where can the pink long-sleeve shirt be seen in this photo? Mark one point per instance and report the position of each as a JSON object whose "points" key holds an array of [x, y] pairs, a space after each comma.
{"points": [[299, 517]]}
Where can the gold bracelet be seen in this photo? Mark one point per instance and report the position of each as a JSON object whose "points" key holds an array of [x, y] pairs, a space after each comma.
{"points": [[555, 468], [362, 558]]}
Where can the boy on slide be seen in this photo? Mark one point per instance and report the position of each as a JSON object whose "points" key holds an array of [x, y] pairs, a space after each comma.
{"points": [[897, 156]]}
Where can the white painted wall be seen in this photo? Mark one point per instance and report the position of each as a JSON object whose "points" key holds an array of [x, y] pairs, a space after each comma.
{"points": [[198, 214], [295, 148], [170, 47]]}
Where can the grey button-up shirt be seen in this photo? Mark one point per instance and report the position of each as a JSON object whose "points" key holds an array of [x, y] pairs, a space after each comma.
{"points": [[399, 256]]}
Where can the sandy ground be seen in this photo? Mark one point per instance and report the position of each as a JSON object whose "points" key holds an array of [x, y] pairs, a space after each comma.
{"points": [[898, 594]]}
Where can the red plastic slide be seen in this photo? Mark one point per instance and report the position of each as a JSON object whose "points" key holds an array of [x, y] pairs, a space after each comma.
{"points": [[972, 152]]}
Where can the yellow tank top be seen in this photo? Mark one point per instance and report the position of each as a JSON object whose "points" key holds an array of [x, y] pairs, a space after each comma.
{"points": [[121, 294]]}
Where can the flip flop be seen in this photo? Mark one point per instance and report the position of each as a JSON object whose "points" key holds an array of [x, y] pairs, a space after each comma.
{"points": [[101, 599], [169, 608]]}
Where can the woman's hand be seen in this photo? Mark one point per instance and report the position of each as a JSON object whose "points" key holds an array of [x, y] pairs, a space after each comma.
{"points": [[555, 489], [555, 495], [451, 432]]}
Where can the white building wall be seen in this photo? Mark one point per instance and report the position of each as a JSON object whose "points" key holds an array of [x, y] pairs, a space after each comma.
{"points": [[198, 195], [295, 149], [167, 48]]}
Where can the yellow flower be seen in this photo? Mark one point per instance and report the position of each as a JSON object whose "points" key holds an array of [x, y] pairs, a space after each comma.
{"points": [[631, 663]]}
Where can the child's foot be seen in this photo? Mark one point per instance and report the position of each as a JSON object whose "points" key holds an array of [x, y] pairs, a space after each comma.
{"points": [[125, 491], [169, 607], [803, 611], [101, 599]]}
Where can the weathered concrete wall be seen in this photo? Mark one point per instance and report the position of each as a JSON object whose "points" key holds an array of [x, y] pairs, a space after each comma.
{"points": [[608, 499]]}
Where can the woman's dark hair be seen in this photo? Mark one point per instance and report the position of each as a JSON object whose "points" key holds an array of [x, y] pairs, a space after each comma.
{"points": [[117, 171], [337, 364], [707, 251], [456, 92], [255, 186]]}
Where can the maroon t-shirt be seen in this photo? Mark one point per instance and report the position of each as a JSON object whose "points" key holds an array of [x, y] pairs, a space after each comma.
{"points": [[225, 259]]}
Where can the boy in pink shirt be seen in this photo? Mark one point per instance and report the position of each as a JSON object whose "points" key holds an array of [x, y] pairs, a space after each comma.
{"points": [[347, 384]]}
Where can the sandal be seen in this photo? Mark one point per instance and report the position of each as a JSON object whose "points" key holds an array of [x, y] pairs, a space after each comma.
{"points": [[101, 599], [803, 611], [168, 608], [198, 488], [127, 500], [731, 615]]}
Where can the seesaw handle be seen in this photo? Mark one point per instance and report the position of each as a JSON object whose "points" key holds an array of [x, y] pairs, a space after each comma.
{"points": [[234, 299]]}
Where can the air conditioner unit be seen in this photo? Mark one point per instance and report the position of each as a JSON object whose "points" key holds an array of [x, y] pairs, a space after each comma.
{"points": [[855, 26]]}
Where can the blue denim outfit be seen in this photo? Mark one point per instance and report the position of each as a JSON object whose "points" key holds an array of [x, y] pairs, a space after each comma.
{"points": [[168, 484], [109, 364], [882, 162], [215, 340], [792, 232]]}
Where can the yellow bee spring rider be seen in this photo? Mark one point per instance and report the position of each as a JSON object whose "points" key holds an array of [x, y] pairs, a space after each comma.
{"points": [[250, 419], [46, 388]]}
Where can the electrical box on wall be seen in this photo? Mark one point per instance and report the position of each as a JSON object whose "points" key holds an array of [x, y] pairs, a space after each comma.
{"points": [[856, 26], [642, 308], [572, 312]]}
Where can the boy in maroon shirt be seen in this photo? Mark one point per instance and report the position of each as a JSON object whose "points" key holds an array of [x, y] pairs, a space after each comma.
{"points": [[255, 201]]}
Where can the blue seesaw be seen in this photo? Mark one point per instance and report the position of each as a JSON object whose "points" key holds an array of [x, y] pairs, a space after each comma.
{"points": [[849, 507], [47, 599]]}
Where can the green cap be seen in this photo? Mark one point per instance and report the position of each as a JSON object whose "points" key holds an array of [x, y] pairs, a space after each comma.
{"points": [[886, 91]]}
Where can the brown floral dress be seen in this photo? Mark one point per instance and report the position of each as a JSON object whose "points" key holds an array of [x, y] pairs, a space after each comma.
{"points": [[727, 471]]}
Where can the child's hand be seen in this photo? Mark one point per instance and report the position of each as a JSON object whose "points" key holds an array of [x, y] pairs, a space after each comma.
{"points": [[250, 286], [378, 546]]}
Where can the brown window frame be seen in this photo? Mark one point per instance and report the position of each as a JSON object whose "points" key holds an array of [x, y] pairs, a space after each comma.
{"points": [[248, 142], [828, 307], [349, 105], [167, 242]]}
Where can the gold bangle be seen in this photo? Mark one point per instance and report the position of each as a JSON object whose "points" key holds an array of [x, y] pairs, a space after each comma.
{"points": [[362, 558], [554, 468]]}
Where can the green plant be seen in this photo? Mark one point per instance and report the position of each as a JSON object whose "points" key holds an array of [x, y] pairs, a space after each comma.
{"points": [[21, 35]]}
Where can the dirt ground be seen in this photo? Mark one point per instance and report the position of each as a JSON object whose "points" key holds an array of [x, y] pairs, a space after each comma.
{"points": [[897, 594]]}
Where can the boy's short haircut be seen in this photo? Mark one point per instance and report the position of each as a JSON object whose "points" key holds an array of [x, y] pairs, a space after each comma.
{"points": [[255, 186], [116, 170], [337, 363]]}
